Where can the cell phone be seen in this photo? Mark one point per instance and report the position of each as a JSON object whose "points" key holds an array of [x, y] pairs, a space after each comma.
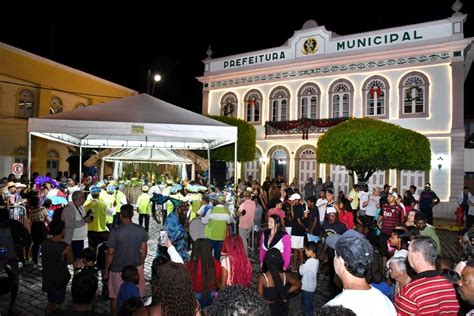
{"points": [[163, 237]]}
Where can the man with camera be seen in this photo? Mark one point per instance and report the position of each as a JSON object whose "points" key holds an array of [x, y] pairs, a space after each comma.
{"points": [[75, 219]]}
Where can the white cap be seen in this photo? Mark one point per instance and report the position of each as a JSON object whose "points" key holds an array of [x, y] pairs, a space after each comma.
{"points": [[294, 196], [331, 210]]}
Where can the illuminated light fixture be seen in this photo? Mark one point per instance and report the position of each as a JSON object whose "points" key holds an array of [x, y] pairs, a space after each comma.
{"points": [[281, 162], [440, 162], [262, 160]]}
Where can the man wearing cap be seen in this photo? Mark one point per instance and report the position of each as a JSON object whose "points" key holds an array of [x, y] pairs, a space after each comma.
{"points": [[429, 292], [353, 261], [97, 228], [144, 208], [246, 215], [428, 199], [216, 221]]}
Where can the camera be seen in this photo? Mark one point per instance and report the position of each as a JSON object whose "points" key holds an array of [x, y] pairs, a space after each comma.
{"points": [[163, 237], [90, 215]]}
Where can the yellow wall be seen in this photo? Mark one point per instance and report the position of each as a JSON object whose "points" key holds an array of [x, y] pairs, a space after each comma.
{"points": [[46, 79]]}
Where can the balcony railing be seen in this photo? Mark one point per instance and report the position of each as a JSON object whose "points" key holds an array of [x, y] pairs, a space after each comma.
{"points": [[302, 126]]}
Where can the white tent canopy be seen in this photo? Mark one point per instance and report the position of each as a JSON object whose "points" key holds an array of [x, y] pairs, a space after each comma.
{"points": [[133, 122], [165, 156]]}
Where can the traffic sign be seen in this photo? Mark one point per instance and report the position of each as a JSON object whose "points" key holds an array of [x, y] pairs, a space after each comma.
{"points": [[17, 169]]}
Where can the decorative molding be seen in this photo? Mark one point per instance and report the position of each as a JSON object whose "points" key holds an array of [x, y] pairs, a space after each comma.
{"points": [[370, 65]]}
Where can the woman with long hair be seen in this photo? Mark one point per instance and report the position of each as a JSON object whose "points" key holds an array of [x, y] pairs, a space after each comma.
{"points": [[205, 272], [236, 267], [399, 240], [345, 216], [172, 291], [275, 237], [274, 284], [408, 201]]}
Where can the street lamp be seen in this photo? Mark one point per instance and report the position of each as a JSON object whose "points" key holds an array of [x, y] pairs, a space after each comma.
{"points": [[156, 78]]}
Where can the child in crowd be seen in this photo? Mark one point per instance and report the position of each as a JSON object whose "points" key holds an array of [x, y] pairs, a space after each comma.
{"points": [[129, 286], [56, 256], [309, 271], [86, 261]]}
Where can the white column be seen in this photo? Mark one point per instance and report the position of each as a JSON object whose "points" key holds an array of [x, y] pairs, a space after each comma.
{"points": [[80, 164], [29, 156], [193, 171]]}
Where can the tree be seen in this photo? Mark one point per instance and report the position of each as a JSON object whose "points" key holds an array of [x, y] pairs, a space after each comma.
{"points": [[246, 143], [365, 145]]}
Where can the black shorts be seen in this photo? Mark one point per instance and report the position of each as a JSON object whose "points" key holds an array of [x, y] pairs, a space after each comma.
{"points": [[56, 296]]}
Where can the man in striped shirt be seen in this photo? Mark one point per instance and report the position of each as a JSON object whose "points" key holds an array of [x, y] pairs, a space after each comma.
{"points": [[429, 293]]}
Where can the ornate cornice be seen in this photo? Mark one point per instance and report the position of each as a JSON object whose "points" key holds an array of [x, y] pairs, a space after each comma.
{"points": [[370, 65]]}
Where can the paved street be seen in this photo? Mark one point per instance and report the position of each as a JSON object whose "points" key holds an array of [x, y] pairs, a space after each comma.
{"points": [[32, 301]]}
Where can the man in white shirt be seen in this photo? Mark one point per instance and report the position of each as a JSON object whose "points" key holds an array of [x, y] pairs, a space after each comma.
{"points": [[75, 220], [364, 196], [353, 261], [321, 203]]}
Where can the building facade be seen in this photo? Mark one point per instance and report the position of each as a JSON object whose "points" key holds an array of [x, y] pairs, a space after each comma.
{"points": [[412, 76], [32, 86]]}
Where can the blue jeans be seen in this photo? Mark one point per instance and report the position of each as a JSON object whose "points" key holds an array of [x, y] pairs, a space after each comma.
{"points": [[216, 246], [307, 299], [205, 300]]}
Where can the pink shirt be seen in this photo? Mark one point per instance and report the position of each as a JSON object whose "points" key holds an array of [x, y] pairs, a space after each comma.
{"points": [[277, 211], [246, 221]]}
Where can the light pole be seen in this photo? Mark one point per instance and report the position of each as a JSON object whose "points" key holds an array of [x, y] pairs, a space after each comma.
{"points": [[156, 78]]}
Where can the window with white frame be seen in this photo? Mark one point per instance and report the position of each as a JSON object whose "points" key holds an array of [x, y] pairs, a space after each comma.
{"points": [[279, 100], [308, 97], [341, 99], [26, 103], [414, 95], [229, 104], [253, 102], [56, 105], [376, 97]]}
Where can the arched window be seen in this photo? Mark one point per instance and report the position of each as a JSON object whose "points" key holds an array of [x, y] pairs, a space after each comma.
{"points": [[375, 92], [229, 104], [253, 105], [26, 103], [308, 101], [79, 105], [279, 104], [56, 105], [414, 88], [341, 94]]}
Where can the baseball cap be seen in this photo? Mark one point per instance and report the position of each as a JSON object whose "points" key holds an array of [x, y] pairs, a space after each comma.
{"points": [[331, 210], [294, 196], [354, 249], [145, 188], [331, 191], [94, 189], [428, 185]]}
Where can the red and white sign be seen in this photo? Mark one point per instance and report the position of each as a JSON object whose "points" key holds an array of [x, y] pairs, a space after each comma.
{"points": [[17, 169]]}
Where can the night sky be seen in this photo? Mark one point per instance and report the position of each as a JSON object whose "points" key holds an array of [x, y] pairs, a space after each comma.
{"points": [[120, 44]]}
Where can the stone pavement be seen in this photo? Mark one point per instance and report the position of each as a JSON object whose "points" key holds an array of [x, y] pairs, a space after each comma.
{"points": [[32, 301]]}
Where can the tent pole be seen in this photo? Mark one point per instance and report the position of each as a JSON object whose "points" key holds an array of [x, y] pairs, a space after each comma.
{"points": [[193, 171], [235, 162], [208, 164], [102, 169], [80, 164], [29, 156]]}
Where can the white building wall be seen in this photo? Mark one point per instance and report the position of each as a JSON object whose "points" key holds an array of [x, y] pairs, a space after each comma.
{"points": [[439, 119]]}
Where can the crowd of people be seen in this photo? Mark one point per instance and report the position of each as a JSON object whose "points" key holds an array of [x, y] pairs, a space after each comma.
{"points": [[383, 254]]}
